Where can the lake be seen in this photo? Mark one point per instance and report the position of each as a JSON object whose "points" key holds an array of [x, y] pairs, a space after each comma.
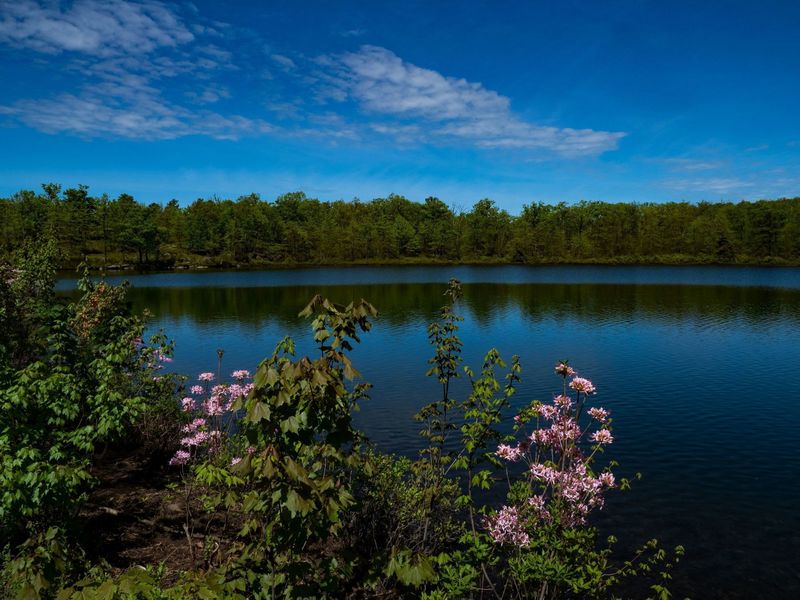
{"points": [[700, 367]]}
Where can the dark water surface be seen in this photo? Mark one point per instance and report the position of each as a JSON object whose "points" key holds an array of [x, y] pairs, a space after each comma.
{"points": [[700, 367]]}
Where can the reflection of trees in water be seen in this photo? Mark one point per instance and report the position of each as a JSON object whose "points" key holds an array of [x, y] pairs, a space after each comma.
{"points": [[403, 304], [601, 302], [398, 304]]}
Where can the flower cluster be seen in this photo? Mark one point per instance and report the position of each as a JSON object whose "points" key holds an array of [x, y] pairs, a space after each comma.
{"points": [[160, 356], [598, 414], [220, 398], [579, 384], [563, 488], [206, 431], [602, 436], [506, 527], [573, 488], [509, 453], [564, 369], [181, 458]]}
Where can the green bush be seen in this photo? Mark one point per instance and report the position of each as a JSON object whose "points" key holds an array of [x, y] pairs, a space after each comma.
{"points": [[75, 377]]}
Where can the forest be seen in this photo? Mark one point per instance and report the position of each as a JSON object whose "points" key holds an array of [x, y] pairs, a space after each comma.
{"points": [[295, 229]]}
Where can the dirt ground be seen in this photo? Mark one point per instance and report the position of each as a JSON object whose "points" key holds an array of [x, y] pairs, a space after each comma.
{"points": [[137, 516]]}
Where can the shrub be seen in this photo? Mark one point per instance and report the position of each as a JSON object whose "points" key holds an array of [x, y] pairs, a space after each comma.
{"points": [[76, 376]]}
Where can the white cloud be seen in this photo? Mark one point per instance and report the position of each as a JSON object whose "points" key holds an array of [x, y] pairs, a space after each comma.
{"points": [[210, 95], [145, 70], [328, 126], [284, 61], [99, 28], [384, 83], [692, 164], [456, 109], [715, 185], [121, 52], [145, 117]]}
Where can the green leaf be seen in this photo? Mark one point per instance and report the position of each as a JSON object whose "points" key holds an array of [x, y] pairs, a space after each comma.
{"points": [[297, 504], [258, 412]]}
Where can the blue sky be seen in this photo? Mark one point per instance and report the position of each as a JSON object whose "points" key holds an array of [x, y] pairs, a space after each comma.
{"points": [[521, 102]]}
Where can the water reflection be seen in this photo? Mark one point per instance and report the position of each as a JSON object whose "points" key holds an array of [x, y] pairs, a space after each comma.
{"points": [[403, 304]]}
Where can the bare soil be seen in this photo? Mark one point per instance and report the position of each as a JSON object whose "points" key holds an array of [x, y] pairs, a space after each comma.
{"points": [[137, 516]]}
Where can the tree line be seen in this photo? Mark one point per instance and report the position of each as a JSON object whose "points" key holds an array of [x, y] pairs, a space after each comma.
{"points": [[294, 228]]}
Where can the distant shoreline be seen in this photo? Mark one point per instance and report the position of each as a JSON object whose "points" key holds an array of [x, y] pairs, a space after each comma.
{"points": [[223, 266]]}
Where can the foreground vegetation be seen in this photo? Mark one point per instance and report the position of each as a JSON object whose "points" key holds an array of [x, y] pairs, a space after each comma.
{"points": [[295, 229], [261, 487]]}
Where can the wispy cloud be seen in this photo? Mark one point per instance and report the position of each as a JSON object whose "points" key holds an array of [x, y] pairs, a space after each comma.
{"points": [[145, 117], [210, 95], [353, 32], [284, 62], [101, 28], [712, 185], [692, 164], [121, 53], [152, 70], [452, 109]]}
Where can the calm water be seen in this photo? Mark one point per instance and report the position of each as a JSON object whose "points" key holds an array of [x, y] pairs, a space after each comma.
{"points": [[699, 365]]}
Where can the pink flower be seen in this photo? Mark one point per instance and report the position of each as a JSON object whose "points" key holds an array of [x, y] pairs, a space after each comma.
{"points": [[599, 414], [241, 374], [194, 425], [543, 473], [548, 411], [505, 528], [540, 437], [564, 370], [607, 479], [579, 384], [536, 501], [250, 449], [564, 430], [199, 438], [213, 406], [188, 404], [538, 505], [508, 453], [181, 458], [197, 389], [236, 460], [575, 486], [563, 402], [205, 377], [602, 436], [237, 391]]}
